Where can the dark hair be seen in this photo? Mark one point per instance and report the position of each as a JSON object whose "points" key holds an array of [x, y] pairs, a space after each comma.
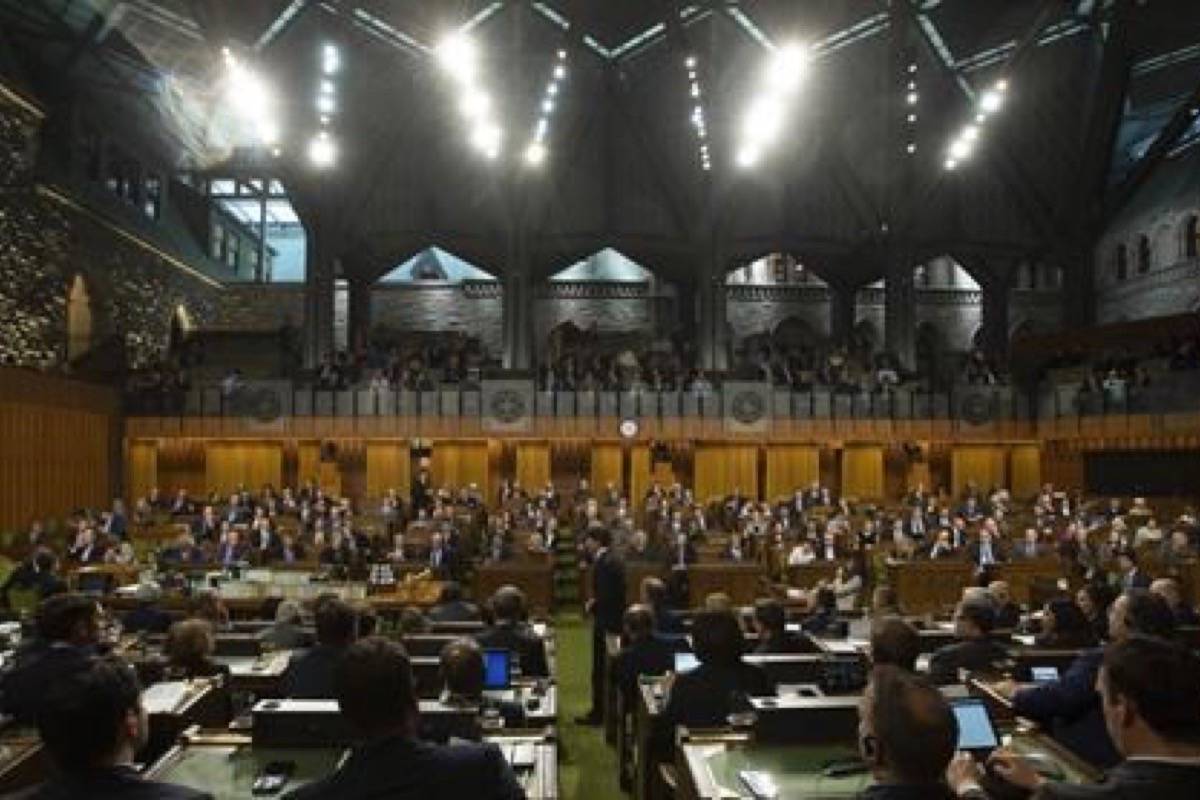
{"points": [[462, 667], [336, 623], [638, 621], [58, 616], [769, 613], [81, 714], [717, 637], [981, 612], [413, 621], [508, 603], [914, 726], [655, 591], [373, 684], [1148, 614], [826, 599], [43, 559], [894, 642], [1161, 678], [451, 591], [602, 536], [1071, 627], [367, 620]]}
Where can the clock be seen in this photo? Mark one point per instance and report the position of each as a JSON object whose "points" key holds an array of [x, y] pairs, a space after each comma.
{"points": [[628, 428]]}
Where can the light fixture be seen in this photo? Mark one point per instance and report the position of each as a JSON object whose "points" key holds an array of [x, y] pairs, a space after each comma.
{"points": [[458, 56], [331, 60], [690, 62], [475, 104], [562, 55], [560, 72], [487, 137], [322, 150], [535, 154], [325, 104], [951, 163], [552, 89], [970, 133], [912, 148], [960, 149], [911, 98], [747, 157], [990, 101]]}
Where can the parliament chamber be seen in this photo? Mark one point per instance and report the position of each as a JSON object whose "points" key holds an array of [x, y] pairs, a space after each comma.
{"points": [[563, 399]]}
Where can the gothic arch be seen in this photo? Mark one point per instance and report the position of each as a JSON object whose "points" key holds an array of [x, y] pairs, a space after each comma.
{"points": [[80, 323]]}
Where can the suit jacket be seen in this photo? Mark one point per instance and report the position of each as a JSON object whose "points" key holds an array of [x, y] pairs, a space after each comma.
{"points": [[1129, 780], [608, 590], [975, 550], [519, 639], [403, 769], [148, 618], [903, 791], [701, 698], [118, 783], [969, 654], [457, 611], [1135, 580], [309, 675], [653, 655], [37, 668], [1070, 708]]}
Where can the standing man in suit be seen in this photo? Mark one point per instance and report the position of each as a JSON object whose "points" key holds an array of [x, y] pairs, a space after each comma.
{"points": [[1131, 576], [607, 608]]}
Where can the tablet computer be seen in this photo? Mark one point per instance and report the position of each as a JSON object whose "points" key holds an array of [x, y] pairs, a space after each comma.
{"points": [[497, 669], [976, 733]]}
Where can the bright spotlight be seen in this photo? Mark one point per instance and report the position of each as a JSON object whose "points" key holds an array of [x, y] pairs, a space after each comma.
{"points": [[560, 72], [960, 149], [690, 63], [246, 91], [458, 56], [951, 163], [331, 59], [562, 55], [911, 99], [747, 157], [786, 68], [1002, 85], [990, 101], [912, 148], [475, 104], [486, 138], [535, 154], [268, 132], [322, 151], [548, 106], [325, 104], [970, 133], [552, 89], [763, 121]]}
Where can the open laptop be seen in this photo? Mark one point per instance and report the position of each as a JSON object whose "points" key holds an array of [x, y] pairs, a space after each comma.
{"points": [[1043, 674], [976, 732], [497, 670]]}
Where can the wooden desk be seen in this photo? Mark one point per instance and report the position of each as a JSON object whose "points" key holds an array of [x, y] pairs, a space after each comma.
{"points": [[929, 587], [1021, 576], [23, 761], [536, 580], [807, 576], [743, 582], [645, 721]]}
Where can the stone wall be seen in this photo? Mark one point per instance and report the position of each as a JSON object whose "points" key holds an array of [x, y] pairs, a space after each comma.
{"points": [[260, 306], [476, 312], [753, 310]]}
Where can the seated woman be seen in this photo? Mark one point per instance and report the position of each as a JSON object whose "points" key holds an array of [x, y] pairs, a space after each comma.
{"points": [[1065, 626], [189, 648]]}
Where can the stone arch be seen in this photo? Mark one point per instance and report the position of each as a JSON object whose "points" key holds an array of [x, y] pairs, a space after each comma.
{"points": [[1145, 254], [929, 344], [793, 331], [80, 322], [866, 334], [1021, 329], [1121, 262], [1190, 246]]}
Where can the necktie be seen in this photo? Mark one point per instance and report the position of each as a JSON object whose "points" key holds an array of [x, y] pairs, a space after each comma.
{"points": [[986, 556]]}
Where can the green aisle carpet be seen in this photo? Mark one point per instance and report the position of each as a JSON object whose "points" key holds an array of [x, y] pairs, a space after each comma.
{"points": [[587, 766]]}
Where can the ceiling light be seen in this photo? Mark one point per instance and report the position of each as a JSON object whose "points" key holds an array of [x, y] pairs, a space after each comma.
{"points": [[690, 63], [912, 68], [747, 157], [487, 137], [786, 68], [268, 132], [325, 104], [322, 151], [560, 72], [960, 149], [911, 99], [763, 121], [458, 56], [912, 86], [275, 151], [562, 55], [1002, 85], [548, 106], [912, 117], [535, 154], [326, 87], [475, 104], [912, 148], [331, 59], [552, 89], [990, 101], [970, 133]]}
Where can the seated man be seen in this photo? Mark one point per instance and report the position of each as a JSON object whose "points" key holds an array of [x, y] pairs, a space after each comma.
{"points": [[1168, 590], [894, 643], [1070, 707], [36, 575], [1008, 613], [973, 622], [92, 723], [374, 689], [67, 633], [309, 674], [462, 670], [451, 607], [703, 697], [643, 653], [146, 616], [1151, 709], [770, 623], [907, 736], [287, 633], [511, 632]]}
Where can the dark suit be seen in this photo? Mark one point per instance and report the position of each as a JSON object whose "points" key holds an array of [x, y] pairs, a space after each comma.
{"points": [[701, 698], [1129, 779], [651, 656], [1008, 615], [1070, 708], [1135, 579], [309, 675], [975, 553], [147, 618], [608, 610], [971, 654], [117, 783], [38, 667], [897, 791], [402, 769], [456, 611], [519, 639]]}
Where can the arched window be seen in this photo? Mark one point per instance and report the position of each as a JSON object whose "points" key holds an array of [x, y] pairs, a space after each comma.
{"points": [[1191, 236], [79, 320], [1144, 254], [1122, 259]]}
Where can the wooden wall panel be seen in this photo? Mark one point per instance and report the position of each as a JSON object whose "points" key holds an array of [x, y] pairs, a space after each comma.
{"points": [[984, 465], [791, 467], [458, 464], [723, 468], [862, 472], [1025, 471], [389, 466], [533, 465], [229, 465], [606, 465], [640, 476], [141, 469]]}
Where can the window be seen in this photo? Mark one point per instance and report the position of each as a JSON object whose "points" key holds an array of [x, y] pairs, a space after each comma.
{"points": [[152, 196], [217, 242], [1122, 259], [1191, 236], [1144, 255]]}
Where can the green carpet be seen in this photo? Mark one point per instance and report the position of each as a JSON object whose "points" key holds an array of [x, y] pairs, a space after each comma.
{"points": [[587, 766]]}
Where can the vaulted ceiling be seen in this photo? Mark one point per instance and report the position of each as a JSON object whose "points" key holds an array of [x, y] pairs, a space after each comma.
{"points": [[841, 191]]}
